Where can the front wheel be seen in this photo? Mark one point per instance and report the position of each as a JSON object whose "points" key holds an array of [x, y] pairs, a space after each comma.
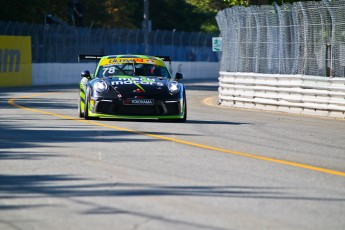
{"points": [[184, 119], [86, 104], [81, 113]]}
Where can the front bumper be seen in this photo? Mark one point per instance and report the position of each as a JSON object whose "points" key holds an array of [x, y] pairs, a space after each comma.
{"points": [[115, 108]]}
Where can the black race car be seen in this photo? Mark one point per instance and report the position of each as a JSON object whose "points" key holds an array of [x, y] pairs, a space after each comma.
{"points": [[131, 87]]}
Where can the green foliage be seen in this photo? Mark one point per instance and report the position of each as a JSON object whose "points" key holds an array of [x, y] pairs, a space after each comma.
{"points": [[236, 2], [207, 11], [31, 11], [113, 13], [173, 14], [100, 13], [182, 15]]}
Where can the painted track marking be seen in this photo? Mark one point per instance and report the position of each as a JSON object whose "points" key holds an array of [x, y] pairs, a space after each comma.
{"points": [[233, 152]]}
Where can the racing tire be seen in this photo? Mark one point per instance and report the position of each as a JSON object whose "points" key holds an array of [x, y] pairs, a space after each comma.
{"points": [[81, 113], [86, 106], [184, 119]]}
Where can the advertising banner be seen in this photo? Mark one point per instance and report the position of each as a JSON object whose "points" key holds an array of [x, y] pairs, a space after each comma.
{"points": [[15, 61]]}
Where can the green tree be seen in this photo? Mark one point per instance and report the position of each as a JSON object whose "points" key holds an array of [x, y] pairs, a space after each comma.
{"points": [[182, 15], [237, 2], [113, 13], [208, 10]]}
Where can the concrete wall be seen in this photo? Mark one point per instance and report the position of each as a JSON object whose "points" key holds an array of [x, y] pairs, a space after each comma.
{"points": [[69, 73]]}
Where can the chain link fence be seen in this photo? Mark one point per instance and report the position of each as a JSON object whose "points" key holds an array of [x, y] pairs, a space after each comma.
{"points": [[302, 38], [62, 43]]}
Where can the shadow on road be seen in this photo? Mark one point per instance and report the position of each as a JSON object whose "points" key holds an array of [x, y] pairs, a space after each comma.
{"points": [[36, 186], [209, 122]]}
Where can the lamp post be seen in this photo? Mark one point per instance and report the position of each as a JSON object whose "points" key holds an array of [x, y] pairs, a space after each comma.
{"points": [[146, 26]]}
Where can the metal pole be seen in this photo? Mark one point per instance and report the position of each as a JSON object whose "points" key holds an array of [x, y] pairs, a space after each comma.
{"points": [[146, 26]]}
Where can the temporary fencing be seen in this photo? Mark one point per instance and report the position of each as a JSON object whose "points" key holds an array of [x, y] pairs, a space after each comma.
{"points": [[305, 38], [62, 43]]}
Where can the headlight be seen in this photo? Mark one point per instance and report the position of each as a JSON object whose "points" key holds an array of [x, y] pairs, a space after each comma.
{"points": [[174, 87], [100, 86]]}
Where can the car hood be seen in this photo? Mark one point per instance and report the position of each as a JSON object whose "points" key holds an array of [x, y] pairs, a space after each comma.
{"points": [[138, 85]]}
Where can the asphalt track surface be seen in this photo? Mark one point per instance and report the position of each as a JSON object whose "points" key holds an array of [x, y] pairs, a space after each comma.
{"points": [[222, 169]]}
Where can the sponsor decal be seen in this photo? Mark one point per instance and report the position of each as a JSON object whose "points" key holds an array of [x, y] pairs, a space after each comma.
{"points": [[139, 91], [138, 102], [134, 81], [112, 61], [15, 61], [125, 60]]}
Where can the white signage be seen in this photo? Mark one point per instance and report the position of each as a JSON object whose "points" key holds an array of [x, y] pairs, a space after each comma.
{"points": [[216, 44]]}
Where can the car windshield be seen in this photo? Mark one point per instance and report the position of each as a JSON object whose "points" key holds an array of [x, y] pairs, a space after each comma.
{"points": [[132, 69]]}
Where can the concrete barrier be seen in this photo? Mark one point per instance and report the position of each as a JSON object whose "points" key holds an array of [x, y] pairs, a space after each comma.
{"points": [[69, 73], [300, 94]]}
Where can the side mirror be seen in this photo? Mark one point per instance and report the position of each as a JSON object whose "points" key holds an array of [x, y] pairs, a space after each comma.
{"points": [[178, 76], [86, 74]]}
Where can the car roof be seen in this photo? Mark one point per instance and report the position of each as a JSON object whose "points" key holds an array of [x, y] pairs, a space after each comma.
{"points": [[130, 56], [143, 59]]}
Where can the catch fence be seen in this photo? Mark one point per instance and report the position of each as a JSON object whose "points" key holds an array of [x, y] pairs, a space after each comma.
{"points": [[305, 38], [62, 43]]}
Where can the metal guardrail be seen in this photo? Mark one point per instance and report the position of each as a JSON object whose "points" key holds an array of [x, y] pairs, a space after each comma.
{"points": [[62, 43], [285, 93], [305, 38]]}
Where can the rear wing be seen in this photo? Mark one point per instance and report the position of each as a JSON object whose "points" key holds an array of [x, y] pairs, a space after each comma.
{"points": [[165, 58], [89, 57], [94, 57]]}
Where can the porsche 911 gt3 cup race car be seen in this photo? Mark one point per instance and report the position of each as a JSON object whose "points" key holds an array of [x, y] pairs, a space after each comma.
{"points": [[131, 87]]}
